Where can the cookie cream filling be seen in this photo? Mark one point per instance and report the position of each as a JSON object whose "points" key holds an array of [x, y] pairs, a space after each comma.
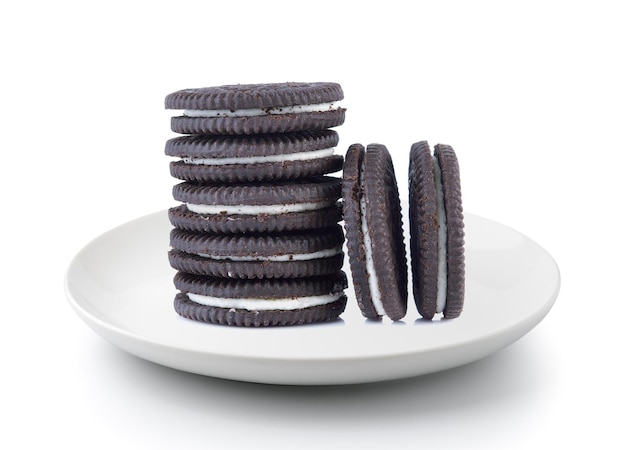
{"points": [[258, 209], [327, 253], [442, 233], [252, 112], [262, 304], [300, 156], [369, 259]]}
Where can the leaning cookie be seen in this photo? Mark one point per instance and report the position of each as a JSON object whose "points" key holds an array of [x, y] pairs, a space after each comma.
{"points": [[293, 254], [437, 231], [257, 108], [257, 207], [374, 234], [235, 159], [256, 303]]}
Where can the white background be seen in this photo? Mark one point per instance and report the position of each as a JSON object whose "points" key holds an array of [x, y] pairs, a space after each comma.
{"points": [[531, 95]]}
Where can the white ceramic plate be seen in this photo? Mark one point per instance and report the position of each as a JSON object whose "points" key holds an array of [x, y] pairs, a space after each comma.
{"points": [[120, 284]]}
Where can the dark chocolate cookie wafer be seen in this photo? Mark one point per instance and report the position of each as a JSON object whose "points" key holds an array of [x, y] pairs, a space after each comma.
{"points": [[235, 159], [257, 207], [374, 233], [455, 236], [257, 108], [286, 255], [183, 218], [258, 303], [423, 229], [437, 231]]}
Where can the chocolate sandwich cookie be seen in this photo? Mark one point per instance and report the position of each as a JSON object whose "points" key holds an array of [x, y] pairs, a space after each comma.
{"points": [[257, 108], [235, 159], [374, 234], [437, 231], [293, 254], [257, 207], [267, 302]]}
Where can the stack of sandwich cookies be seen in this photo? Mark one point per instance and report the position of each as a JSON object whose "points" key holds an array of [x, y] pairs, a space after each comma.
{"points": [[256, 239]]}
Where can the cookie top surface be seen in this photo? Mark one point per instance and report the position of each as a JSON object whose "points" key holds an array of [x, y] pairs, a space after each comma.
{"points": [[247, 96], [374, 233]]}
